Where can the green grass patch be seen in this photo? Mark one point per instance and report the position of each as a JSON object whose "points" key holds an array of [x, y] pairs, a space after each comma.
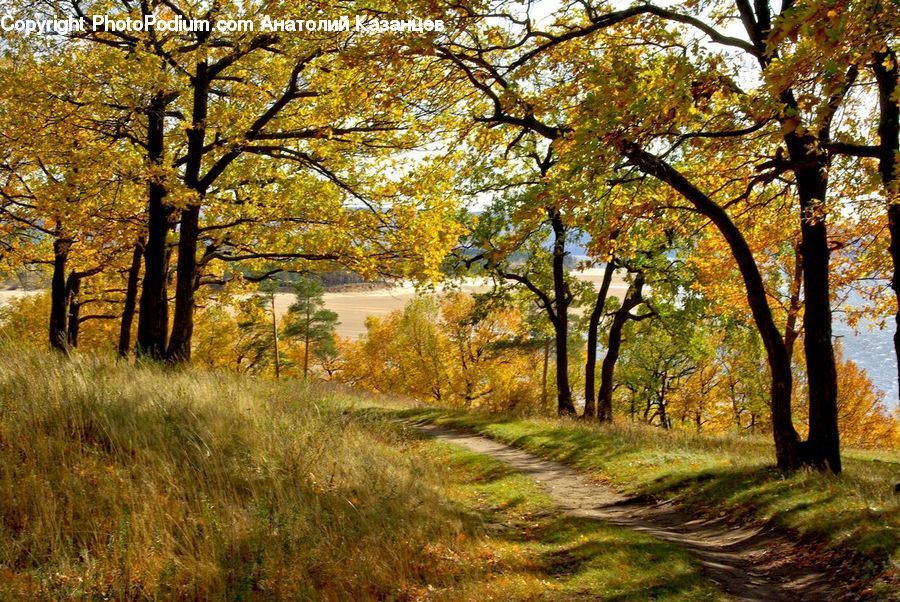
{"points": [[858, 510], [524, 549]]}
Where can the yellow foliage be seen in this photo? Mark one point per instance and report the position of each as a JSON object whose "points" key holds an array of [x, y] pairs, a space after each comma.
{"points": [[863, 417], [445, 351], [23, 319]]}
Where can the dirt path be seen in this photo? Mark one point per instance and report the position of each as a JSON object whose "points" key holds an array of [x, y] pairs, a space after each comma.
{"points": [[748, 564]]}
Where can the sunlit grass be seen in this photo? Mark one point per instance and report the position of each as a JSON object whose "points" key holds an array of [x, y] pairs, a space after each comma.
{"points": [[132, 483], [527, 549], [857, 510], [126, 483]]}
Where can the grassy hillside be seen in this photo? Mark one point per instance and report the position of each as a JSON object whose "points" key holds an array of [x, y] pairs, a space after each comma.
{"points": [[857, 511], [139, 483], [121, 483]]}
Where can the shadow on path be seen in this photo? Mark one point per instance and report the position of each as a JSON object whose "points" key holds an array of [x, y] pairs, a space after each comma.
{"points": [[750, 564]]}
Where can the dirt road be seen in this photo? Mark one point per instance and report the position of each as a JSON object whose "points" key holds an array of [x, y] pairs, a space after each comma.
{"points": [[749, 564]]}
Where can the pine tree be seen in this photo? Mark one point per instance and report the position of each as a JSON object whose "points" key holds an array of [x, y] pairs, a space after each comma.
{"points": [[309, 321]]}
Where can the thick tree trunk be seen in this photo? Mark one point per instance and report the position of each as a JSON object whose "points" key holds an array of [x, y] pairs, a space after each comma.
{"points": [[811, 173], [57, 330], [788, 450], [590, 366], [823, 444], [131, 292], [189, 226], [73, 289], [663, 417], [886, 75], [607, 370], [185, 286], [153, 318], [565, 407]]}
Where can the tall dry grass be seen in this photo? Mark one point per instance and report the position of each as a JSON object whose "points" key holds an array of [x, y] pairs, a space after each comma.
{"points": [[121, 482]]}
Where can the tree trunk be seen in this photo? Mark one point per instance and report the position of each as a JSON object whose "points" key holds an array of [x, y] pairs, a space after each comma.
{"points": [[663, 417], [889, 145], [790, 328], [73, 288], [153, 318], [189, 226], [607, 370], [57, 331], [787, 444], [306, 343], [565, 407], [823, 444], [131, 291], [590, 366], [275, 339], [546, 369], [185, 286]]}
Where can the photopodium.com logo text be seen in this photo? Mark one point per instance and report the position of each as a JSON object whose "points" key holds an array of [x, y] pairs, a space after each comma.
{"points": [[101, 23]]}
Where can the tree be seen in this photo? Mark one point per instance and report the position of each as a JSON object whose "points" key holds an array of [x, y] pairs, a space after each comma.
{"points": [[662, 355], [269, 288], [865, 419], [590, 367], [522, 240], [686, 103], [862, 36], [633, 298], [456, 350], [256, 339], [641, 242], [309, 321], [58, 211], [251, 137]]}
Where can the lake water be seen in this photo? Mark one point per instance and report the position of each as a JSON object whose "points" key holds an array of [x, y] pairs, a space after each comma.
{"points": [[874, 351]]}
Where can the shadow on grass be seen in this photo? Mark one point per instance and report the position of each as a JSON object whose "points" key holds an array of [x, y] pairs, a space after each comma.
{"points": [[546, 555], [857, 510]]}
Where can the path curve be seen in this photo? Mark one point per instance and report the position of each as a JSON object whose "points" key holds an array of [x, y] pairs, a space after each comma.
{"points": [[750, 564]]}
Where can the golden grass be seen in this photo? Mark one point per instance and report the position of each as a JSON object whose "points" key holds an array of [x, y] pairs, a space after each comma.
{"points": [[121, 482]]}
